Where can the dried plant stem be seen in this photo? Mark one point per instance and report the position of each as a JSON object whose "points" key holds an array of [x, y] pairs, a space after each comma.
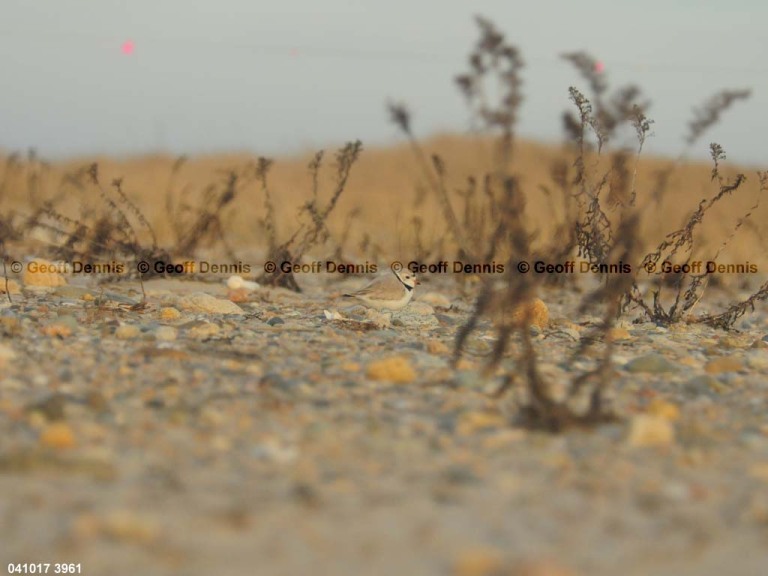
{"points": [[7, 288]]}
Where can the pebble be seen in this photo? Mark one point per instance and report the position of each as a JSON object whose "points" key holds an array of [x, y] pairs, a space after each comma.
{"points": [[415, 319], [478, 561], [735, 342], [437, 347], [127, 332], [434, 299], [72, 292], [757, 360], [472, 422], [6, 355], [535, 312], [723, 364], [67, 320], [13, 287], [51, 407], [275, 381], [618, 334], [169, 313], [760, 471], [702, 383], [97, 402], [477, 347], [274, 451], [58, 435], [650, 430], [166, 333], [205, 303], [203, 330], [237, 282], [62, 326], [10, 326], [395, 369], [664, 409], [445, 320], [421, 308], [544, 567], [125, 525], [36, 279], [652, 363]]}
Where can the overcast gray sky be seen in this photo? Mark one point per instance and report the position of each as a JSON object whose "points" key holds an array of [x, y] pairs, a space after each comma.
{"points": [[283, 76]]}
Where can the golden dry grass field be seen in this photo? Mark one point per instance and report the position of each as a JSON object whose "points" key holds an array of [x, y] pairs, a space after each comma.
{"points": [[176, 426], [387, 190]]}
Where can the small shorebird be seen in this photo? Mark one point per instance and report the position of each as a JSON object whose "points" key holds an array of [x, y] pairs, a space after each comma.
{"points": [[389, 292]]}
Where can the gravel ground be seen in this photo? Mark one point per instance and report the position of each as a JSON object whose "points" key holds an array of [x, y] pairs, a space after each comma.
{"points": [[198, 437]]}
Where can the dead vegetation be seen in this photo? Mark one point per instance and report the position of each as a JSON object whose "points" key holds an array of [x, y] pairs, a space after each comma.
{"points": [[108, 226], [312, 229], [597, 204], [600, 223]]}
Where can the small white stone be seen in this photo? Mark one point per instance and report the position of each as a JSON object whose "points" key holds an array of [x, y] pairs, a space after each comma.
{"points": [[332, 315], [166, 333], [237, 282]]}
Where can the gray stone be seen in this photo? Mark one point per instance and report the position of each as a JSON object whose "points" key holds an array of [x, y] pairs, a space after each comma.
{"points": [[651, 363]]}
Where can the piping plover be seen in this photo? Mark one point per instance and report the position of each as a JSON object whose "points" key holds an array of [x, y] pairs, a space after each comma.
{"points": [[389, 292]]}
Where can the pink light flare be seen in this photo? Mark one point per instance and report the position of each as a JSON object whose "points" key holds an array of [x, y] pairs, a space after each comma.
{"points": [[128, 47], [599, 67]]}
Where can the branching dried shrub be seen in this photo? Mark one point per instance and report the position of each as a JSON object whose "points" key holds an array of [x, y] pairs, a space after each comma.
{"points": [[433, 169], [598, 215], [705, 117], [492, 87], [677, 249], [17, 175], [594, 194], [202, 222], [97, 236], [599, 194], [599, 222], [709, 114], [313, 230], [611, 111], [499, 229], [492, 91], [115, 229]]}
